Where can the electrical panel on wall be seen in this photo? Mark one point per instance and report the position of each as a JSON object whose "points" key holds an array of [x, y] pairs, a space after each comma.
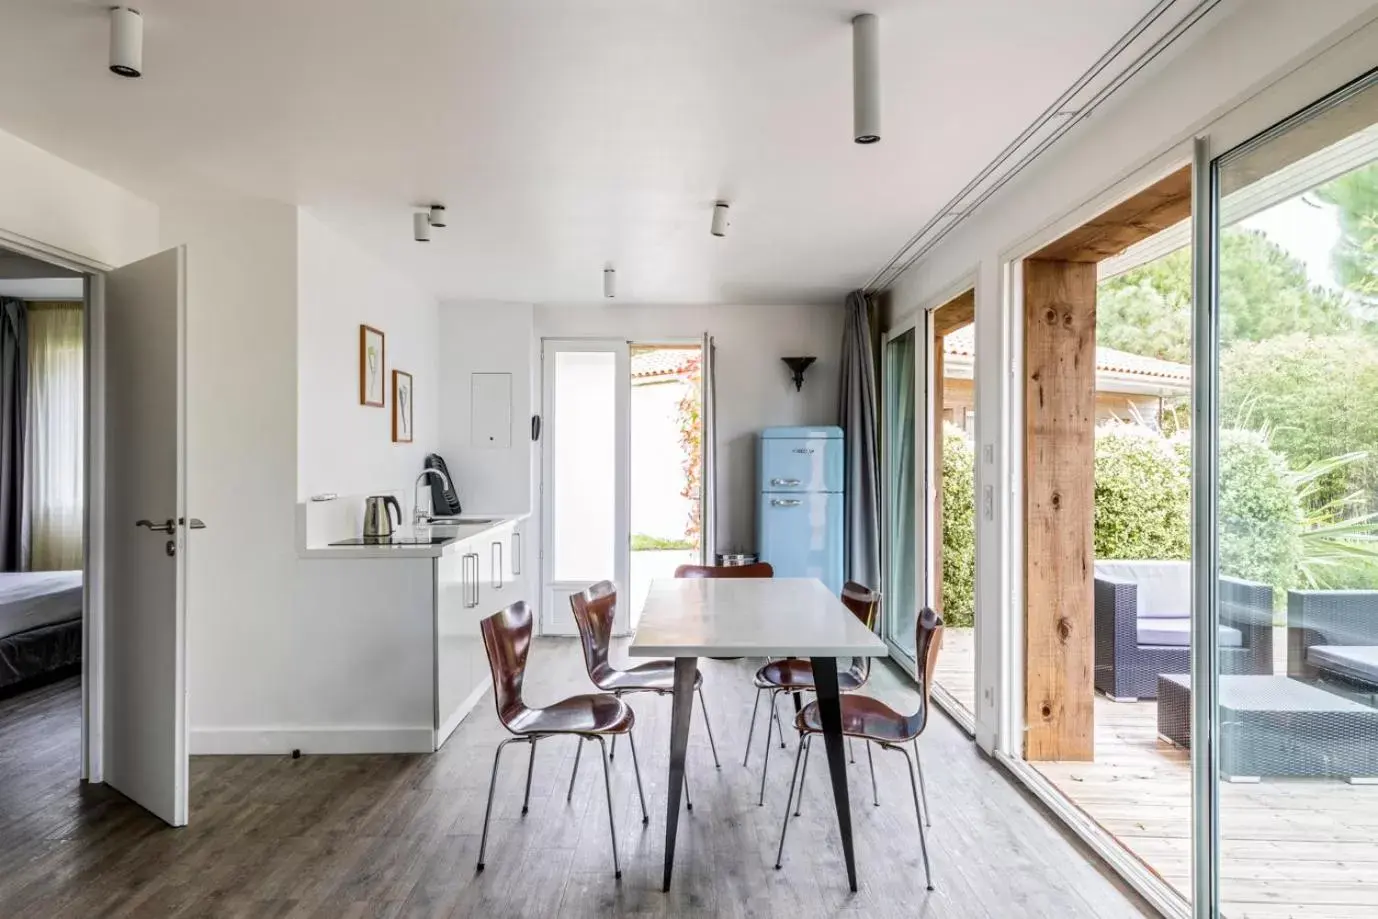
{"points": [[490, 410]]}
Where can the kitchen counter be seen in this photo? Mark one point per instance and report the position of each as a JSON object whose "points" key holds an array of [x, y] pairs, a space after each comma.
{"points": [[426, 541]]}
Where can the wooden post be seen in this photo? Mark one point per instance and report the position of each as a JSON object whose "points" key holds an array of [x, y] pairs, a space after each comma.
{"points": [[1059, 488]]}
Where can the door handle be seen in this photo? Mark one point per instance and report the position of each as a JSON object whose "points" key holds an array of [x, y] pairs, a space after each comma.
{"points": [[788, 483], [195, 524], [169, 527], [784, 502]]}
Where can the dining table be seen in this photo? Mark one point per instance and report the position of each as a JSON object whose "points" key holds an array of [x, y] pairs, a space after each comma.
{"points": [[687, 619]]}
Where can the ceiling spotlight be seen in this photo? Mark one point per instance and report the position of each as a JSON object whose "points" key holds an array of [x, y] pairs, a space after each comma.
{"points": [[421, 226], [126, 42], [610, 282], [437, 215], [720, 219], [865, 79]]}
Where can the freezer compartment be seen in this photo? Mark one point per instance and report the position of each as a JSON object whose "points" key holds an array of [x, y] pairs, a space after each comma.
{"points": [[801, 536], [801, 464]]}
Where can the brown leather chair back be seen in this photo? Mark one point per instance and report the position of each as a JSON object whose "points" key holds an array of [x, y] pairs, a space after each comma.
{"points": [[862, 601], [594, 610], [757, 570], [507, 639], [928, 638], [865, 606]]}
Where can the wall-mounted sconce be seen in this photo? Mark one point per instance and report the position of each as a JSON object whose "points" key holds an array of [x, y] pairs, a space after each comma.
{"points": [[797, 366]]}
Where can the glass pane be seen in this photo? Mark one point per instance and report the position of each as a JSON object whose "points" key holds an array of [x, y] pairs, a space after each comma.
{"points": [[901, 593], [584, 524], [1297, 495], [955, 525]]}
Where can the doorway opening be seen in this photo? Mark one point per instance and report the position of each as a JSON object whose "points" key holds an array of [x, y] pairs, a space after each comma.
{"points": [[666, 463], [43, 311]]}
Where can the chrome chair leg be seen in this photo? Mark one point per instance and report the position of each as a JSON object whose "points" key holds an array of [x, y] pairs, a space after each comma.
{"points": [[708, 727], [492, 785], [784, 827], [612, 754], [688, 804], [875, 794], [851, 754], [765, 762], [579, 751], [636, 767], [923, 841], [775, 712], [752, 730], [923, 789], [530, 764], [799, 802], [612, 820]]}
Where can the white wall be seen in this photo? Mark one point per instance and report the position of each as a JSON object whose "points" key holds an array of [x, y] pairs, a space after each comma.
{"points": [[1268, 59], [67, 210], [487, 337], [343, 446], [242, 453], [754, 389]]}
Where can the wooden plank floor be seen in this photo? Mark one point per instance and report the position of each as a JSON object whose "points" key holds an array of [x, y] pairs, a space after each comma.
{"points": [[956, 671], [374, 836], [1291, 848]]}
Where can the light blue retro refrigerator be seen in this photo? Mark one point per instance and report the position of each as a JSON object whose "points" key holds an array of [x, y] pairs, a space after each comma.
{"points": [[800, 511]]}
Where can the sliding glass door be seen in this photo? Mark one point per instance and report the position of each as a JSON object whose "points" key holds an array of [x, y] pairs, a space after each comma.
{"points": [[903, 365], [1287, 565]]}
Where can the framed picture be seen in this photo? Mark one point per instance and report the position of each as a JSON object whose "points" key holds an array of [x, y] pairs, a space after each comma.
{"points": [[401, 407], [372, 366]]}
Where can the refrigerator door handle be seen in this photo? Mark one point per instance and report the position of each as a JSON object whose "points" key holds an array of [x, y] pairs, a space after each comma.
{"points": [[784, 502], [786, 483]]}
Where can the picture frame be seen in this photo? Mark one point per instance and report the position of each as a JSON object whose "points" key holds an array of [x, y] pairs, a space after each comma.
{"points": [[372, 366], [402, 409]]}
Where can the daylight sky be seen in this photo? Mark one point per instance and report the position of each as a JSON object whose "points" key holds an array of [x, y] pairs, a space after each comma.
{"points": [[1308, 229]]}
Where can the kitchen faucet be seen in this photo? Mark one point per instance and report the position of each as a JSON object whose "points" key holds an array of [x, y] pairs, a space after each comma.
{"points": [[418, 517]]}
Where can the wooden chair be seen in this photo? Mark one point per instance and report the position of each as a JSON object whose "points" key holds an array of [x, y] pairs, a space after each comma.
{"points": [[755, 570], [796, 676], [507, 639], [875, 722], [594, 610]]}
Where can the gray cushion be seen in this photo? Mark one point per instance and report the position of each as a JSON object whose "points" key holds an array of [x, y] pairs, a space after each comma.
{"points": [[1176, 633], [1358, 662], [1162, 589]]}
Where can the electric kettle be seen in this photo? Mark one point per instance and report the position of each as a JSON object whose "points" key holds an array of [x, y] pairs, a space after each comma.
{"points": [[378, 522]]}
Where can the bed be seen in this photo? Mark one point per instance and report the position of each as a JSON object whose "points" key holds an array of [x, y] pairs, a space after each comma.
{"points": [[40, 626]]}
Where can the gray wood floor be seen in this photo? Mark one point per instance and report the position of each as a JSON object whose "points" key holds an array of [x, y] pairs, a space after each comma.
{"points": [[366, 836]]}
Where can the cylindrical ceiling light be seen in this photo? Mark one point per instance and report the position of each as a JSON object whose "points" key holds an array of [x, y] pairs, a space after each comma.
{"points": [[437, 215], [865, 79], [421, 226], [720, 219], [610, 282], [126, 42]]}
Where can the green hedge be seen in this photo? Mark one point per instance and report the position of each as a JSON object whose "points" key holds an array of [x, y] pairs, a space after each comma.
{"points": [[959, 528], [1260, 513], [1143, 495]]}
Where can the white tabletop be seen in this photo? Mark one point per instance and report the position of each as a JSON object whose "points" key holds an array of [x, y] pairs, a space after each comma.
{"points": [[749, 617]]}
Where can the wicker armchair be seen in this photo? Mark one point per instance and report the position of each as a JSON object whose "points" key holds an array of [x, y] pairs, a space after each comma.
{"points": [[1332, 636], [1143, 626]]}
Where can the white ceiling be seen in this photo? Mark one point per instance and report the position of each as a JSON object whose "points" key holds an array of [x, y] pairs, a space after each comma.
{"points": [[562, 136]]}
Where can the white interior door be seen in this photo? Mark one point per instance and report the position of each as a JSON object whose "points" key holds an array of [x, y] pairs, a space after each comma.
{"points": [[585, 486], [145, 563]]}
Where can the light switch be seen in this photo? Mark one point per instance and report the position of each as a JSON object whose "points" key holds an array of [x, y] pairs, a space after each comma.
{"points": [[490, 410]]}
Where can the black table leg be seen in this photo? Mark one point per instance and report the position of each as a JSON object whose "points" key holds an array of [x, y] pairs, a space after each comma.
{"points": [[686, 668], [830, 713]]}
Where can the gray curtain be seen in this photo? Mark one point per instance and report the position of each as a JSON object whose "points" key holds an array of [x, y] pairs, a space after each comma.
{"points": [[857, 416], [14, 379]]}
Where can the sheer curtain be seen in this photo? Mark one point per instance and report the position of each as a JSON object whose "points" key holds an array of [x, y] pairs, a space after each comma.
{"points": [[55, 474]]}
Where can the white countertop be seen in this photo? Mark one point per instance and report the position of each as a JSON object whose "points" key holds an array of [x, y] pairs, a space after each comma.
{"points": [[733, 617], [459, 531]]}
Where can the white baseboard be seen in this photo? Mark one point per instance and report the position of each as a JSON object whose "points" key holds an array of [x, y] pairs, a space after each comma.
{"points": [[256, 741], [462, 712]]}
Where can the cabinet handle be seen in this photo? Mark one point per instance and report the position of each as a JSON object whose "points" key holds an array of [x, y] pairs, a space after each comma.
{"points": [[477, 583], [785, 502], [516, 552], [788, 483], [495, 560]]}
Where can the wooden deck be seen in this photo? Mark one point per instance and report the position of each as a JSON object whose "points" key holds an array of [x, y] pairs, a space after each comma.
{"points": [[1291, 848]]}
